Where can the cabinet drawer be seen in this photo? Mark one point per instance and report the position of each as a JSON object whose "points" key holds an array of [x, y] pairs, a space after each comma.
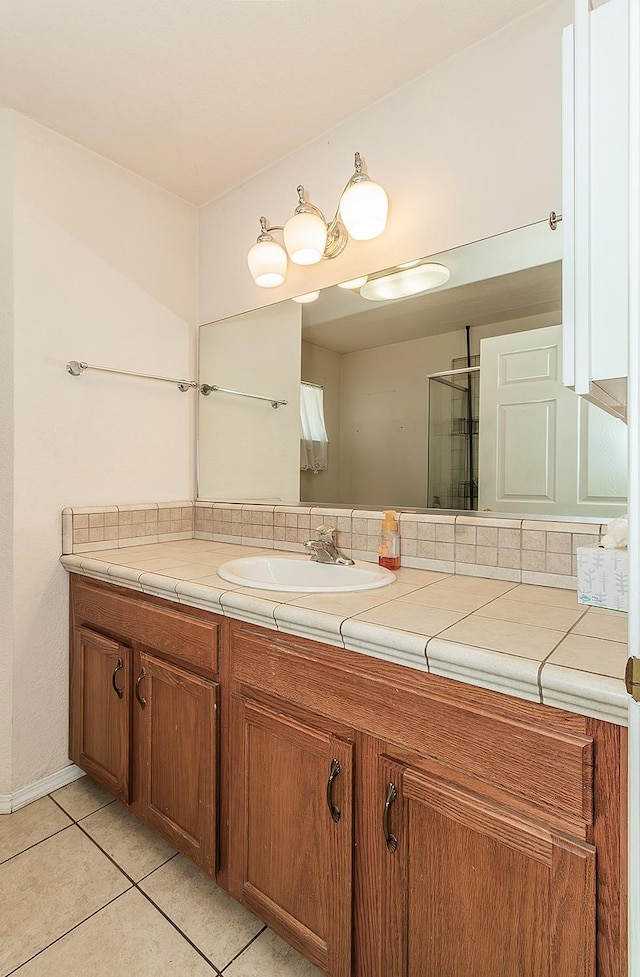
{"points": [[539, 764], [174, 633]]}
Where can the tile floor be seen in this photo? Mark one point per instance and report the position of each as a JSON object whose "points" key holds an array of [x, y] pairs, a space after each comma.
{"points": [[86, 890]]}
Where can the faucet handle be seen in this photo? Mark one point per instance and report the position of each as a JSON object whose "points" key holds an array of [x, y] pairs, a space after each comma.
{"points": [[325, 534]]}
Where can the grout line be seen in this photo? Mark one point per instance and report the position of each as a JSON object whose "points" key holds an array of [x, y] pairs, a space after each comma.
{"points": [[136, 885], [77, 820], [246, 947], [177, 928], [5, 861], [70, 930], [426, 654], [105, 853], [555, 648], [158, 867], [101, 808]]}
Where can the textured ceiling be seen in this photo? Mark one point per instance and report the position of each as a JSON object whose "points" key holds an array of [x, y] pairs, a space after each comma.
{"points": [[199, 95]]}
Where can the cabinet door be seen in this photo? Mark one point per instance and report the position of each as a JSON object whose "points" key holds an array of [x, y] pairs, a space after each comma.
{"points": [[100, 709], [293, 833], [176, 757], [473, 889]]}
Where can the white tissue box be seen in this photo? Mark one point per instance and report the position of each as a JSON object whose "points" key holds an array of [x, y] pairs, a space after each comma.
{"points": [[603, 577]]}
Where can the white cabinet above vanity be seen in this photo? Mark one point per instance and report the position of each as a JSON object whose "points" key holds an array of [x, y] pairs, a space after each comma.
{"points": [[595, 84]]}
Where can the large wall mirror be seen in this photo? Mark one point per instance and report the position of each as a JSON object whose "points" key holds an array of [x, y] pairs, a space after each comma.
{"points": [[449, 397]]}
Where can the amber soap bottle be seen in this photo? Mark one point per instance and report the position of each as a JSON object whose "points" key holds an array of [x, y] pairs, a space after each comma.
{"points": [[389, 547]]}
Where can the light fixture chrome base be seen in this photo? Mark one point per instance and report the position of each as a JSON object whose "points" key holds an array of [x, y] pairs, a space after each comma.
{"points": [[337, 239]]}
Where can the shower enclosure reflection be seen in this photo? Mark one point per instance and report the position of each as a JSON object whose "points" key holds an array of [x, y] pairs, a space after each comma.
{"points": [[453, 444]]}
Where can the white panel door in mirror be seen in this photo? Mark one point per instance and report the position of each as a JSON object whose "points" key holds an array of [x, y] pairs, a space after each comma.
{"points": [[531, 459], [525, 465]]}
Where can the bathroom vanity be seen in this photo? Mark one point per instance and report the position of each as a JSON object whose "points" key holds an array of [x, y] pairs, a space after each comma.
{"points": [[383, 820]]}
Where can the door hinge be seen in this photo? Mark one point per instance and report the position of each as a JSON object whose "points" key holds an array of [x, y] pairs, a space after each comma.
{"points": [[632, 678]]}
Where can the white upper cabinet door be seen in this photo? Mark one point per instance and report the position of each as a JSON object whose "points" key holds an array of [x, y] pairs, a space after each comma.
{"points": [[596, 201]]}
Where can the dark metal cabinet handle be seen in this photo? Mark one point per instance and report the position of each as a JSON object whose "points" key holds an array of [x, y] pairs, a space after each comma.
{"points": [[390, 796], [333, 773], [141, 699], [119, 665]]}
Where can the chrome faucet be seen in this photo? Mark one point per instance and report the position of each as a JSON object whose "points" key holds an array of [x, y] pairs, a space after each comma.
{"points": [[324, 550]]}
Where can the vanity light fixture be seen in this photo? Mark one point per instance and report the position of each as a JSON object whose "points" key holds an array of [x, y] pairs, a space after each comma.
{"points": [[408, 281], [308, 236]]}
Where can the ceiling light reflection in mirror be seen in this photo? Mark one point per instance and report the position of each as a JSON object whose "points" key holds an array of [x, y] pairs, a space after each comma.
{"points": [[407, 281]]}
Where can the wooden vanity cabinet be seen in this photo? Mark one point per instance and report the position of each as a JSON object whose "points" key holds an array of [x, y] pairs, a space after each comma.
{"points": [[472, 888], [143, 716], [292, 822], [384, 821], [486, 829], [100, 713], [175, 756]]}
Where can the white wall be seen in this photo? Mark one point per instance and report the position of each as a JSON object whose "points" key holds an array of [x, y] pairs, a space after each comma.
{"points": [[6, 451], [104, 270], [470, 150]]}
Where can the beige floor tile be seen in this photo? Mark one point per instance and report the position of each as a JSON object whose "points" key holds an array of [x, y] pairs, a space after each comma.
{"points": [[591, 655], [50, 888], [512, 639], [600, 623], [534, 594], [539, 615], [133, 846], [269, 956], [30, 825], [128, 938], [406, 616], [82, 797], [215, 922]]}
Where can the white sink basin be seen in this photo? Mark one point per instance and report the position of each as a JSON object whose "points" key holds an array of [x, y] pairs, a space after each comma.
{"points": [[300, 574]]}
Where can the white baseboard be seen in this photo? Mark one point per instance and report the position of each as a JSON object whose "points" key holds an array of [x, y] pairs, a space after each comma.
{"points": [[20, 798]]}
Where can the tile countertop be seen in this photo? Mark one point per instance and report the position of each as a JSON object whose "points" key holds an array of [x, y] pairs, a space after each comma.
{"points": [[532, 642]]}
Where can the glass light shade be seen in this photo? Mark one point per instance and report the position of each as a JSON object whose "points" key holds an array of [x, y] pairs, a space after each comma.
{"points": [[411, 281], [267, 263], [354, 283], [305, 238], [363, 210], [307, 297]]}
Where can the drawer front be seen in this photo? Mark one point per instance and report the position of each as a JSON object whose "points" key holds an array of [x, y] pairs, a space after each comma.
{"points": [[184, 639], [542, 765]]}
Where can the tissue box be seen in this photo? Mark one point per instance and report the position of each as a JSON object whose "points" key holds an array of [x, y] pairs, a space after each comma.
{"points": [[603, 577]]}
